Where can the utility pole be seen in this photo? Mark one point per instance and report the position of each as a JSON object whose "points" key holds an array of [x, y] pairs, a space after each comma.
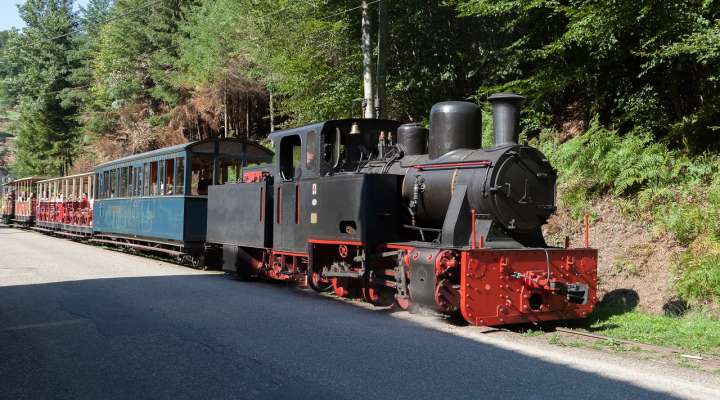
{"points": [[225, 103], [381, 56], [368, 87]]}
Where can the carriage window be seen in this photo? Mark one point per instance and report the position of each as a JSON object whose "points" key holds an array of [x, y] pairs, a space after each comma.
{"points": [[136, 181], [146, 183], [169, 178], [153, 178], [140, 184], [161, 177], [123, 182], [180, 175], [105, 182], [310, 150], [131, 182], [202, 175], [113, 183], [290, 157]]}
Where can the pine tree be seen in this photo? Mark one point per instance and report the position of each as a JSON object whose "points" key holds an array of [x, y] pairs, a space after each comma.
{"points": [[47, 131]]}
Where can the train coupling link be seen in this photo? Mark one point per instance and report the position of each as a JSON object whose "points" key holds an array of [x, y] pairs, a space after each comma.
{"points": [[576, 293]]}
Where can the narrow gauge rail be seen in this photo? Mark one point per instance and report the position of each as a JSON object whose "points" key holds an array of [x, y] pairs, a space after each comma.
{"points": [[364, 208]]}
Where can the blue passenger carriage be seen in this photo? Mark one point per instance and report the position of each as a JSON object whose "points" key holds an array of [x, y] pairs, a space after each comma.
{"points": [[158, 200]]}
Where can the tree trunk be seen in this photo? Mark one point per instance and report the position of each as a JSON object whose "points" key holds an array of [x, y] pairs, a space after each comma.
{"points": [[368, 87], [225, 100], [248, 104], [381, 55], [272, 113]]}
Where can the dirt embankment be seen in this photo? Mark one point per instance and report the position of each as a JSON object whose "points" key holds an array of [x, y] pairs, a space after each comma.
{"points": [[634, 262]]}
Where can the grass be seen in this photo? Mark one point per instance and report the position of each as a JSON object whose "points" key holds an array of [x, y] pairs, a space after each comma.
{"points": [[696, 331], [531, 333], [623, 267], [688, 364]]}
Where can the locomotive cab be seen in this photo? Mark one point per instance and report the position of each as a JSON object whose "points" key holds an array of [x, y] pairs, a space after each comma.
{"points": [[321, 192]]}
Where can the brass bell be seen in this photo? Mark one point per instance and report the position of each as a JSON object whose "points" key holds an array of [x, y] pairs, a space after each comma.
{"points": [[355, 130]]}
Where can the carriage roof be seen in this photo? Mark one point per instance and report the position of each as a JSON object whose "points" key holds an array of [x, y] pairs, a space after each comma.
{"points": [[251, 151]]}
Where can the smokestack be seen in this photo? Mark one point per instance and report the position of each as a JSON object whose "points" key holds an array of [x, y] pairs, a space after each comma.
{"points": [[506, 117]]}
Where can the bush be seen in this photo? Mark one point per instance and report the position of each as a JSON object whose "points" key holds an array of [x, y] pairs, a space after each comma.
{"points": [[699, 280], [678, 193], [698, 271], [600, 161], [684, 220]]}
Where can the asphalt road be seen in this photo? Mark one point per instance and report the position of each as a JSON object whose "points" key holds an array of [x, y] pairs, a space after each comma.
{"points": [[81, 322]]}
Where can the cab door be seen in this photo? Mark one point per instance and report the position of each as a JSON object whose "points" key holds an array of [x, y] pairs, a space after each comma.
{"points": [[297, 163], [286, 206]]}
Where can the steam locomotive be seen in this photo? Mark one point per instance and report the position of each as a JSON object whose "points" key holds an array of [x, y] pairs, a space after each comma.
{"points": [[391, 213], [367, 209]]}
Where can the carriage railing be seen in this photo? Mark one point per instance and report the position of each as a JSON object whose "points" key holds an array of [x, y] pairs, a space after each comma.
{"points": [[67, 212]]}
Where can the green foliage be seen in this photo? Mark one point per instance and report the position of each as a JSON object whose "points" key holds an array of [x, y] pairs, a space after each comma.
{"points": [[698, 271], [136, 51], [600, 161], [624, 267], [699, 278], [677, 193], [695, 331], [643, 66], [36, 65]]}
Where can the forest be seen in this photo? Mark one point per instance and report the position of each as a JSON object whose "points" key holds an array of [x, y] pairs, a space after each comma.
{"points": [[622, 95]]}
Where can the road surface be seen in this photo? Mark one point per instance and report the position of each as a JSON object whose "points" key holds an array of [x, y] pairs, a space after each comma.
{"points": [[82, 322]]}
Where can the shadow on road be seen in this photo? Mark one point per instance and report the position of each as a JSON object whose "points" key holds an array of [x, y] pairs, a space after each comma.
{"points": [[206, 336]]}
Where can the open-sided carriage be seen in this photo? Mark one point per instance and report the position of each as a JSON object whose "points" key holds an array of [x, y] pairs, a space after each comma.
{"points": [[65, 205], [21, 200]]}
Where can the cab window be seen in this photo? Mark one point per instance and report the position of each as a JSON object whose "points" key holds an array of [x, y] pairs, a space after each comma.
{"points": [[229, 171], [290, 154], [311, 150]]}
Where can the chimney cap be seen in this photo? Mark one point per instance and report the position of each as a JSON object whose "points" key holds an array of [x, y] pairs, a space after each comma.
{"points": [[506, 97]]}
